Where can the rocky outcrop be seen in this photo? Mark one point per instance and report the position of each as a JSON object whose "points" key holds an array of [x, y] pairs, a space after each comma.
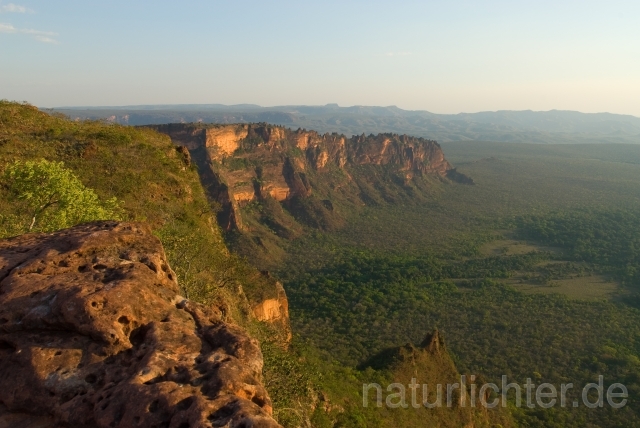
{"points": [[458, 177], [184, 154], [285, 155], [275, 311], [409, 153], [223, 140], [93, 333], [316, 179], [228, 216], [431, 367]]}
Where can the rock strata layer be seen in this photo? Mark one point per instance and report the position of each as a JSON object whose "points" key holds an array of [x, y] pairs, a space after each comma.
{"points": [[93, 333], [255, 161]]}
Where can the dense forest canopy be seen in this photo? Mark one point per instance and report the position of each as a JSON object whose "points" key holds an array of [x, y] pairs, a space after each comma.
{"points": [[531, 274]]}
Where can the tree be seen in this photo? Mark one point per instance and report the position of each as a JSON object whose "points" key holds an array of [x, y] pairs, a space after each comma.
{"points": [[50, 197]]}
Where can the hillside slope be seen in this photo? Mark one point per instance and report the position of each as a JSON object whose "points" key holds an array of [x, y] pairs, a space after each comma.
{"points": [[153, 180]]}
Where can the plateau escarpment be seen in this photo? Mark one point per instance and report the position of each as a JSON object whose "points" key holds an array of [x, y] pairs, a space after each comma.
{"points": [[93, 333], [271, 181]]}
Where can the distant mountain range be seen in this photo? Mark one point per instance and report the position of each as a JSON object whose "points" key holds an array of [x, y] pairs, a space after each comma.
{"points": [[555, 126]]}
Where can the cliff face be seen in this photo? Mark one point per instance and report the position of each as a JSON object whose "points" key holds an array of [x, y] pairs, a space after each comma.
{"points": [[275, 310], [93, 333], [271, 180]]}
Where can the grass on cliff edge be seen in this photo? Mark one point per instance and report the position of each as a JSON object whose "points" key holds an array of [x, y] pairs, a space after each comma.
{"points": [[137, 167]]}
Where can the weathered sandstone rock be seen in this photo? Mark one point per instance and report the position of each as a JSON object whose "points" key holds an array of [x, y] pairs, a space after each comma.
{"points": [[251, 162], [275, 311], [94, 334], [225, 139]]}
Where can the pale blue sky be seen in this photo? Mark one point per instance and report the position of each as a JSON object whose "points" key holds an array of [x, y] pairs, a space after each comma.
{"points": [[442, 56]]}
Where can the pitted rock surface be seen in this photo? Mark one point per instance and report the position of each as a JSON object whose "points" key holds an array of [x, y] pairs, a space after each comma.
{"points": [[93, 333]]}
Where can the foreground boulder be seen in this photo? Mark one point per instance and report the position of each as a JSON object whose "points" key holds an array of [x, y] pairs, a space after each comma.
{"points": [[93, 333]]}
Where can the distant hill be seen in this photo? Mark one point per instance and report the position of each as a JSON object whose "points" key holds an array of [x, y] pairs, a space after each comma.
{"points": [[552, 127]]}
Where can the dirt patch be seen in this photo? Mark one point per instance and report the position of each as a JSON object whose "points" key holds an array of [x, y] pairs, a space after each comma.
{"points": [[593, 287]]}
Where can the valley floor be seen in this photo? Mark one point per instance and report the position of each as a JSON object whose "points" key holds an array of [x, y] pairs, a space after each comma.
{"points": [[533, 272]]}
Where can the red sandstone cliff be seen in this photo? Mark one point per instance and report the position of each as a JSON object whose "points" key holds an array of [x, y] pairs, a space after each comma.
{"points": [[270, 180], [94, 334]]}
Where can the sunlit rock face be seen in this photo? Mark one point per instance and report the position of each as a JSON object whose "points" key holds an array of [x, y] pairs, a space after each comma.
{"points": [[254, 161], [93, 333]]}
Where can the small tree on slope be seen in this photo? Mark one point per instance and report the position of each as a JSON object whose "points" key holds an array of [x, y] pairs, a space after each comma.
{"points": [[50, 197]]}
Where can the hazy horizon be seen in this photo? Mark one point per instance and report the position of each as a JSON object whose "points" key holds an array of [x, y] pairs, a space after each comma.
{"points": [[141, 106], [442, 57]]}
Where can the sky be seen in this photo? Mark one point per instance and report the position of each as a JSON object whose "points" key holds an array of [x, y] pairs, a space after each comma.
{"points": [[442, 56]]}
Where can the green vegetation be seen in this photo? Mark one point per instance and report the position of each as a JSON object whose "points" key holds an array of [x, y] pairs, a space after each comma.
{"points": [[364, 305], [105, 163], [396, 272], [610, 240], [49, 197], [138, 168], [236, 163]]}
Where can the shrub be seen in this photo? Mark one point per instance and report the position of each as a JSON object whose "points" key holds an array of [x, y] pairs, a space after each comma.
{"points": [[50, 197]]}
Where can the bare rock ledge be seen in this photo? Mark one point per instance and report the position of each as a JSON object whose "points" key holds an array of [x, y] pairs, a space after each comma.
{"points": [[93, 333]]}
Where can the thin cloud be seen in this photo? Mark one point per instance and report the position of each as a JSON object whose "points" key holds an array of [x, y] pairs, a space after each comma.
{"points": [[398, 53], [38, 33], [14, 8], [7, 28], [41, 36], [45, 39]]}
